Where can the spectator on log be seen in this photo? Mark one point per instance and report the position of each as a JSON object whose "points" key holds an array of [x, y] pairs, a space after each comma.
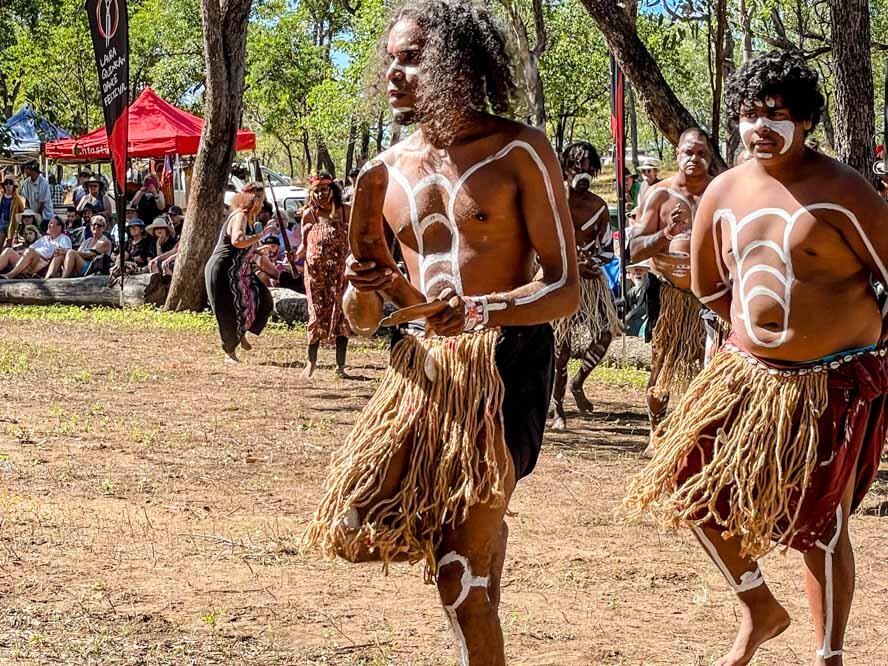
{"points": [[11, 207], [166, 246], [88, 258], [35, 260], [176, 216], [25, 238], [36, 192], [149, 200], [74, 225], [139, 249]]}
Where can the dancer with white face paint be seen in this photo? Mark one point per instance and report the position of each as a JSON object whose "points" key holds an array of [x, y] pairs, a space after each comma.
{"points": [[663, 235], [593, 327], [473, 200], [778, 440]]}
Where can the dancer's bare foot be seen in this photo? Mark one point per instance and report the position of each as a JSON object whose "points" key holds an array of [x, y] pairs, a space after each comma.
{"points": [[232, 358], [583, 403], [245, 344], [341, 373], [309, 370], [650, 450], [761, 622], [558, 425]]}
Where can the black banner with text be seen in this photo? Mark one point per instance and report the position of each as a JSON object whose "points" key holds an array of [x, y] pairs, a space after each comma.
{"points": [[109, 27]]}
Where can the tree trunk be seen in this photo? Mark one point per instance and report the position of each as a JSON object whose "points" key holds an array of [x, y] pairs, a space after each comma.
{"points": [[350, 148], [365, 144], [829, 128], [746, 26], [306, 151], [731, 125], [380, 131], [721, 24], [534, 84], [633, 127], [225, 44], [325, 162], [854, 120], [642, 71]]}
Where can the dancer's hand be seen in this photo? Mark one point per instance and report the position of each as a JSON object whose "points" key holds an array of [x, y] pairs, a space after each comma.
{"points": [[679, 221], [367, 276], [588, 269], [451, 320]]}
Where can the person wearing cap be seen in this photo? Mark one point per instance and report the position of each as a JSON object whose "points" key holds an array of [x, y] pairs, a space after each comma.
{"points": [[149, 200], [268, 269], [176, 217], [96, 197], [166, 245], [139, 248], [36, 258], [81, 190], [36, 192], [11, 207], [81, 262], [650, 173]]}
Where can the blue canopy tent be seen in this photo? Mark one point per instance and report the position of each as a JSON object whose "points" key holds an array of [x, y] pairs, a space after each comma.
{"points": [[28, 132]]}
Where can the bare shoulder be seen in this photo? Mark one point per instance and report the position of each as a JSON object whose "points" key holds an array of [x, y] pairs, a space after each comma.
{"points": [[659, 193], [839, 183]]}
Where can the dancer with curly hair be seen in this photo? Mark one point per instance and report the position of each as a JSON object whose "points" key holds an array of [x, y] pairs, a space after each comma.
{"points": [[778, 439], [472, 198]]}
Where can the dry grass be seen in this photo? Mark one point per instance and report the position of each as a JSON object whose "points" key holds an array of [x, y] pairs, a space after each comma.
{"points": [[153, 498]]}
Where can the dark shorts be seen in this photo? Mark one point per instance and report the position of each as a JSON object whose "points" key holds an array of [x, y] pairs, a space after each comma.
{"points": [[525, 359]]}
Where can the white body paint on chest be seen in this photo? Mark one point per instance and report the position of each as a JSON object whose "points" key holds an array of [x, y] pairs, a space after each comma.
{"points": [[783, 128], [743, 270], [453, 276]]}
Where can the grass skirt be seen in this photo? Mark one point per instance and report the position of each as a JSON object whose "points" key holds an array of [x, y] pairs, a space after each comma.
{"points": [[597, 315], [679, 340], [442, 399], [759, 431]]}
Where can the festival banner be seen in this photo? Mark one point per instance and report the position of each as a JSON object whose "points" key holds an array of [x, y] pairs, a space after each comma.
{"points": [[109, 27]]}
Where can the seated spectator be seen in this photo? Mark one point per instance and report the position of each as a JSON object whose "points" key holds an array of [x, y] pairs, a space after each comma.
{"points": [[149, 200], [177, 217], [166, 246], [35, 260], [140, 248], [11, 207], [96, 197], [81, 190], [88, 258], [267, 269], [26, 238], [74, 225]]}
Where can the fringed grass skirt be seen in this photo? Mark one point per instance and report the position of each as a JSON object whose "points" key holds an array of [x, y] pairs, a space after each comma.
{"points": [[441, 398], [765, 452], [679, 340], [597, 315]]}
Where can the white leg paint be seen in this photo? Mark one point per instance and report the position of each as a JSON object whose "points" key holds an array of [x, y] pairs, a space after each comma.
{"points": [[748, 581], [826, 651], [467, 582]]}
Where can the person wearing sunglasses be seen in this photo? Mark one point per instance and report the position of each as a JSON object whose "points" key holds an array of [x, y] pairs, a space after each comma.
{"points": [[80, 262]]}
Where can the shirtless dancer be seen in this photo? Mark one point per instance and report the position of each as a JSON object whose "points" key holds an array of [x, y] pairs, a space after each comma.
{"points": [[664, 237], [473, 199], [796, 399], [597, 316]]}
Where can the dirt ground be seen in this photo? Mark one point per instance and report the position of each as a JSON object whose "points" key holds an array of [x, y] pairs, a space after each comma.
{"points": [[152, 500]]}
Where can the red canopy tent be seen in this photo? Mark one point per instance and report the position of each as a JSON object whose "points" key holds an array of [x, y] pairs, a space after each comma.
{"points": [[156, 129]]}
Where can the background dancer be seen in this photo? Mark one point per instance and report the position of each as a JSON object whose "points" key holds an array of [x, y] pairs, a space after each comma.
{"points": [[779, 438], [597, 316], [664, 237], [325, 248], [472, 198], [239, 300]]}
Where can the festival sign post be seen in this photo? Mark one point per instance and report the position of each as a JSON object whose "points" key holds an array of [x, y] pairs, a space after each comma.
{"points": [[618, 131], [109, 27]]}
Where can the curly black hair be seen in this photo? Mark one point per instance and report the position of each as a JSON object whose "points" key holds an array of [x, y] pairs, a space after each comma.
{"points": [[781, 73], [466, 60], [576, 152]]}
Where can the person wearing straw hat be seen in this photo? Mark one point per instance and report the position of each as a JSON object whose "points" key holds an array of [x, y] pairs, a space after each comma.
{"points": [[650, 174], [96, 197], [12, 205], [596, 322], [166, 243]]}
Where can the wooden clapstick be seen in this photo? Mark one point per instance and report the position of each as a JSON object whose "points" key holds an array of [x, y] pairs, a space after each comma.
{"points": [[366, 237]]}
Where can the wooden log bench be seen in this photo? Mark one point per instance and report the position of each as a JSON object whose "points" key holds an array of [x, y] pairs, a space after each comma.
{"points": [[147, 288]]}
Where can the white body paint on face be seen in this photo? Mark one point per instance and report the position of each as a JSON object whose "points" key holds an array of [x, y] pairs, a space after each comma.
{"points": [[829, 549], [409, 70], [453, 277], [467, 582], [579, 178], [783, 128], [786, 274], [748, 581]]}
